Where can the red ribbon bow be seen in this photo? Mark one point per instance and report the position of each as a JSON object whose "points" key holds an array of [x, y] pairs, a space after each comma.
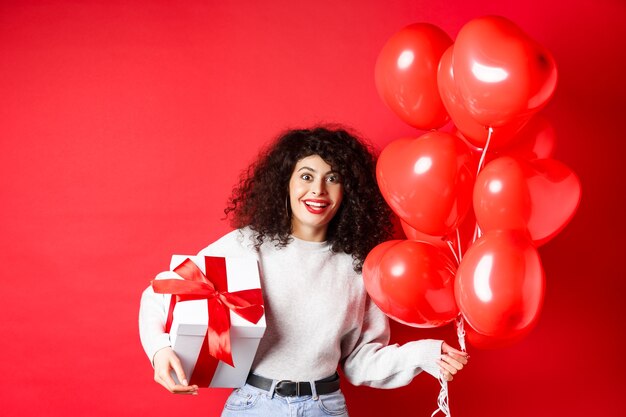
{"points": [[212, 287]]}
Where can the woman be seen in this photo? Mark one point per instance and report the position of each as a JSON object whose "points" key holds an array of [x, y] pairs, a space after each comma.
{"points": [[309, 210]]}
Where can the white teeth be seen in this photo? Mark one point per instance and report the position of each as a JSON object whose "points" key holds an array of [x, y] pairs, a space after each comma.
{"points": [[315, 204]]}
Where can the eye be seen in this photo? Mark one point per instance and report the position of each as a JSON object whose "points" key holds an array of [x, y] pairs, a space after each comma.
{"points": [[306, 177], [333, 178]]}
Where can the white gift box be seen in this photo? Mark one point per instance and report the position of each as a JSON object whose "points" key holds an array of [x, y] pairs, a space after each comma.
{"points": [[190, 322]]}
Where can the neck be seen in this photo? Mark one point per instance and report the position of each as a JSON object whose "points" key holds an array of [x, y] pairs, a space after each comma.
{"points": [[310, 234]]}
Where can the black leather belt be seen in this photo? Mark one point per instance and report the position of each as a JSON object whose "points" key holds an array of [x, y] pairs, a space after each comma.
{"points": [[295, 389]]}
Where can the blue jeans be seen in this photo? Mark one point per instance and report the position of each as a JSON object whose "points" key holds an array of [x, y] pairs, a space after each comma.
{"points": [[255, 402]]}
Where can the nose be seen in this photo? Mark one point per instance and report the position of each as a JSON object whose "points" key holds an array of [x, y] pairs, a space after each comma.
{"points": [[318, 187]]}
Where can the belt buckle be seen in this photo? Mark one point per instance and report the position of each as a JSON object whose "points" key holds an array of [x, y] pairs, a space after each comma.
{"points": [[287, 381]]}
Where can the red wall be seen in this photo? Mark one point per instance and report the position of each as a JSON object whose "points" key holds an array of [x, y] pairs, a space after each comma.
{"points": [[124, 124]]}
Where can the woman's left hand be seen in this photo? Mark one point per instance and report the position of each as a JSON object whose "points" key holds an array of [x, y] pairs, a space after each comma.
{"points": [[452, 361]]}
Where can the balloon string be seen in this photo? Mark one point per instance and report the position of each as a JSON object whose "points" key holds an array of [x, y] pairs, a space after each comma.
{"points": [[460, 331], [443, 404], [442, 399], [477, 233], [458, 242], [484, 153], [451, 246]]}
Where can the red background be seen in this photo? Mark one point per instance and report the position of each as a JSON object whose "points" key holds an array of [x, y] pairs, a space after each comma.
{"points": [[124, 125]]}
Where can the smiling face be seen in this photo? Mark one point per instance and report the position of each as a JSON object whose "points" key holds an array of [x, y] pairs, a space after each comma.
{"points": [[315, 194]]}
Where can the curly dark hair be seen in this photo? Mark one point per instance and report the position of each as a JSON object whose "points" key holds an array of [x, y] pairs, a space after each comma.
{"points": [[363, 219]]}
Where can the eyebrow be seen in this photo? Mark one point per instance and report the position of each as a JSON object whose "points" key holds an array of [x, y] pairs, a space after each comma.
{"points": [[332, 171]]}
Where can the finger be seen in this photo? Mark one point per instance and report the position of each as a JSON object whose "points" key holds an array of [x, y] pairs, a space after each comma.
{"points": [[169, 384], [446, 348], [455, 360], [445, 374], [447, 367], [452, 362], [180, 374], [460, 359], [458, 354], [185, 389], [166, 380]]}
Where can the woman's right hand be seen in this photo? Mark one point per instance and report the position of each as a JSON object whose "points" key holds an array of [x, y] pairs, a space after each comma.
{"points": [[164, 361], [452, 361]]}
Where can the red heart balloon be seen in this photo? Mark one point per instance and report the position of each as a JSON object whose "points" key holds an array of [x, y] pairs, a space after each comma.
{"points": [[473, 131], [555, 193], [500, 284], [501, 196], [371, 274], [427, 181], [412, 282], [406, 75], [502, 74], [539, 196]]}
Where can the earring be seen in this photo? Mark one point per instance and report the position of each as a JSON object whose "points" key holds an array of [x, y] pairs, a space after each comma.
{"points": [[287, 207]]}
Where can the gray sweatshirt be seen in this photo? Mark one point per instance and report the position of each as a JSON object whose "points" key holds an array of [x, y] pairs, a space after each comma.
{"points": [[318, 316]]}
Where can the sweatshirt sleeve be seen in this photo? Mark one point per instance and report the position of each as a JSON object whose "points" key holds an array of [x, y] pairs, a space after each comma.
{"points": [[152, 318], [154, 307], [375, 363]]}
